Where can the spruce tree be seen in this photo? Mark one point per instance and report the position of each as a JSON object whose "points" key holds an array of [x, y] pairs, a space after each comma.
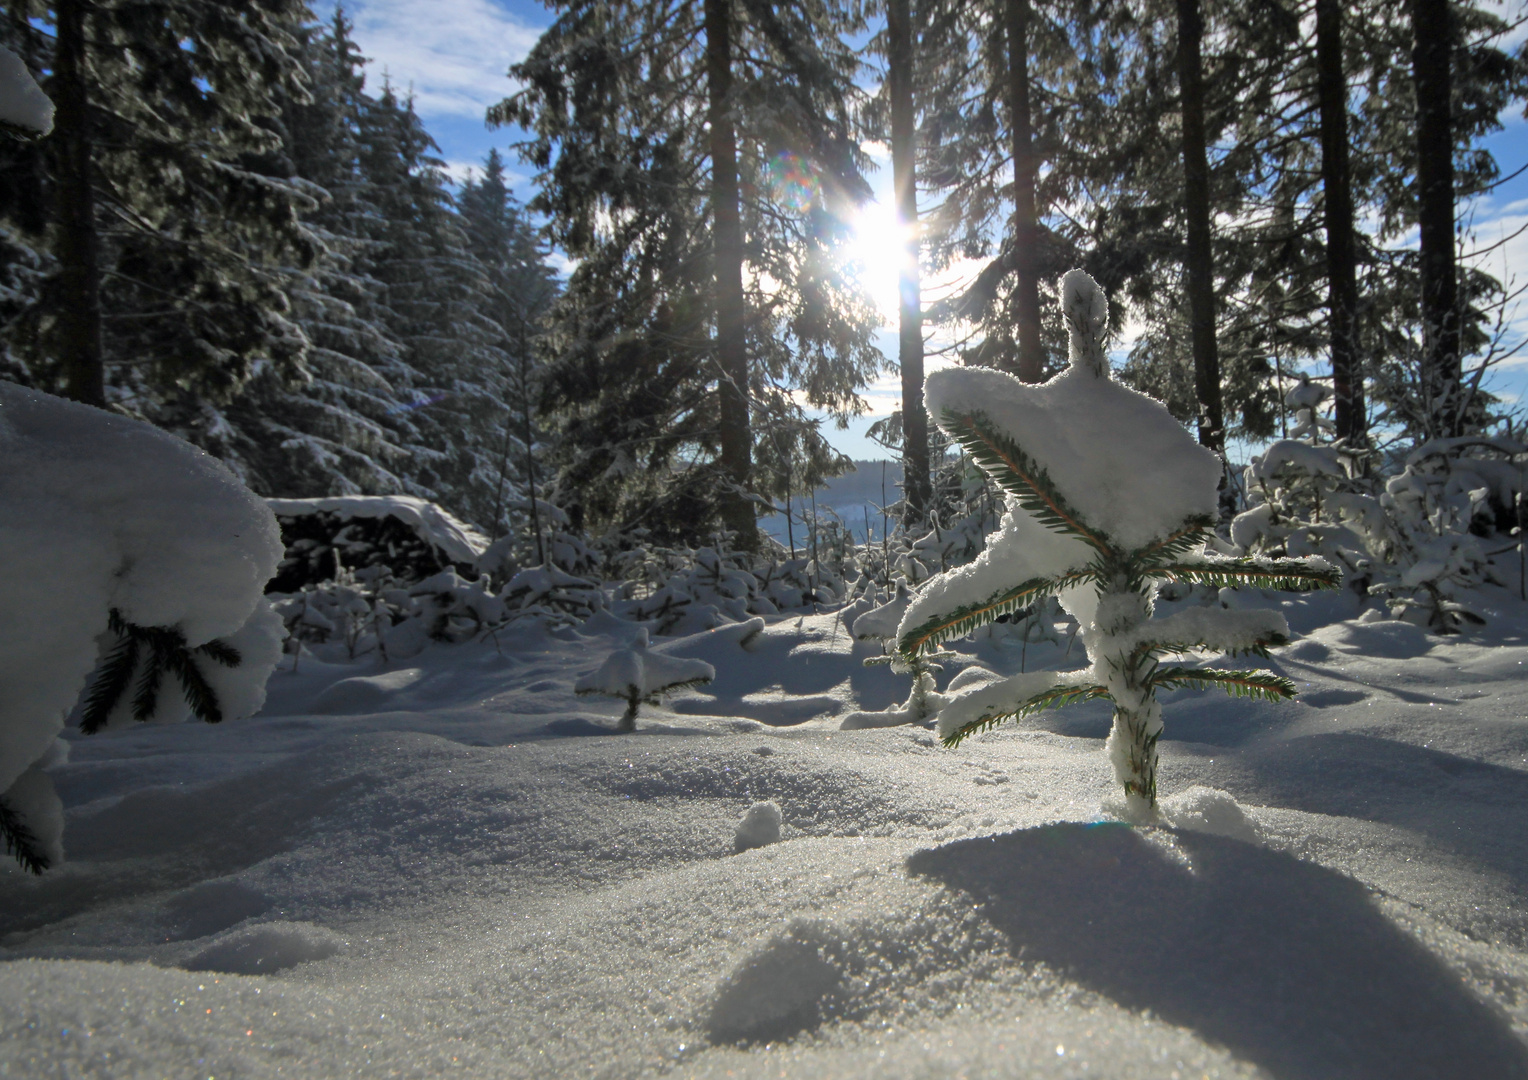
{"points": [[694, 158], [522, 288], [341, 423], [160, 218]]}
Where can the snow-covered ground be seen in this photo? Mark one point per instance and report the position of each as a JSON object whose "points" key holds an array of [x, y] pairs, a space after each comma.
{"points": [[451, 866]]}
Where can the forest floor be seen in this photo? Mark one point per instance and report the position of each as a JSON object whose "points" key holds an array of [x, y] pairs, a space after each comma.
{"points": [[453, 865]]}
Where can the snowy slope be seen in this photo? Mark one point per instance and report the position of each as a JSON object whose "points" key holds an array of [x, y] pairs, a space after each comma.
{"points": [[450, 867]]}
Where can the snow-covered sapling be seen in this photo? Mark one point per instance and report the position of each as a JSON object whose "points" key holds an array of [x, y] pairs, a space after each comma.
{"points": [[1107, 496], [635, 675], [880, 625]]}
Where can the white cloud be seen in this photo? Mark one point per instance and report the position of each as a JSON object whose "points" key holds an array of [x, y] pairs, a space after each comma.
{"points": [[454, 53]]}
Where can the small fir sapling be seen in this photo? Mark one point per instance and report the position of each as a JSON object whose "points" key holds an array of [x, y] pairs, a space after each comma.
{"points": [[880, 625], [636, 675], [1108, 496]]}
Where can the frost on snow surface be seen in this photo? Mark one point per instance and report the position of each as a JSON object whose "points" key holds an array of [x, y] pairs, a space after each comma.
{"points": [[460, 874], [22, 103], [104, 513]]}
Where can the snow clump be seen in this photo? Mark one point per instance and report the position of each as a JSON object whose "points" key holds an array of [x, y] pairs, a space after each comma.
{"points": [[105, 514], [760, 826]]}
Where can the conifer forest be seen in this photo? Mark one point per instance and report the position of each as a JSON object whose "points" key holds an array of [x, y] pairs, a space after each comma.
{"points": [[718, 538]]}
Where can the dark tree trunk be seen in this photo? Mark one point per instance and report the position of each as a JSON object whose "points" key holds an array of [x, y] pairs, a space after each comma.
{"points": [[1341, 250], [77, 336], [1435, 214], [904, 149], [727, 240], [1026, 230], [1198, 260]]}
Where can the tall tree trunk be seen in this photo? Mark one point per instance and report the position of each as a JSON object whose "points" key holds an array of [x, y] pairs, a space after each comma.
{"points": [[1198, 258], [1026, 230], [727, 241], [78, 326], [899, 56], [1341, 249], [1441, 371]]}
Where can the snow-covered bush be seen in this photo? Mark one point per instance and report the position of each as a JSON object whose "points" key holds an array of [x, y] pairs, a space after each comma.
{"points": [[1107, 496], [634, 674], [880, 625], [1412, 537], [370, 612], [689, 590], [122, 541]]}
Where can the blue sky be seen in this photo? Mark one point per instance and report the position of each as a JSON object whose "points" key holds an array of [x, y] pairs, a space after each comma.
{"points": [[455, 55]]}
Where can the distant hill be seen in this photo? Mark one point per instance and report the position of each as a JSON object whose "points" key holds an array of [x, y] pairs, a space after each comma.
{"points": [[854, 497]]}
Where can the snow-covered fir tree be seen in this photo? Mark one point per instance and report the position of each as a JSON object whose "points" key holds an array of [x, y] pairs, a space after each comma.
{"points": [[168, 237], [521, 289], [1108, 495], [341, 423]]}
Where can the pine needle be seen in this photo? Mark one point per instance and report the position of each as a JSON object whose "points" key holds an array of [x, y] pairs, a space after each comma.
{"points": [[1056, 697], [110, 683], [20, 842], [1256, 683], [1287, 575], [1021, 476], [1190, 533], [965, 619]]}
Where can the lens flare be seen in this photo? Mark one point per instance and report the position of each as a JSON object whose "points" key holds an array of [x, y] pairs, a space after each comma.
{"points": [[792, 181]]}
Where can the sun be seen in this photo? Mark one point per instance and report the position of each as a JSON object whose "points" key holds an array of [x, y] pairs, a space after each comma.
{"points": [[876, 255]]}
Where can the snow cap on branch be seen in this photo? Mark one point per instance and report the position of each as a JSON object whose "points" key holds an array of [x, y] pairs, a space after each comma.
{"points": [[1086, 311]]}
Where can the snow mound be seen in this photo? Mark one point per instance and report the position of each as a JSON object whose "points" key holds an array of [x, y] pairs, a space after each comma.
{"points": [[760, 826], [364, 693], [103, 513], [266, 947], [457, 540], [1210, 810], [22, 102]]}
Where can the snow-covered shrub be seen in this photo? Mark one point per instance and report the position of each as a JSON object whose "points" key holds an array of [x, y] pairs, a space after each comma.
{"points": [[552, 594], [413, 539], [1427, 523], [688, 590], [120, 540], [368, 611], [634, 674], [880, 625], [1107, 495], [1412, 537]]}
